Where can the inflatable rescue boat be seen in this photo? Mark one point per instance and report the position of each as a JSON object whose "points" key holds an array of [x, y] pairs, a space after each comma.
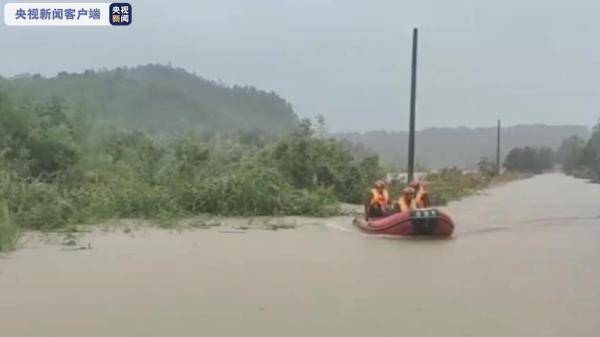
{"points": [[421, 222]]}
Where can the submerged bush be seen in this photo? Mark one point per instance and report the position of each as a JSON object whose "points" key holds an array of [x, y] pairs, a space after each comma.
{"points": [[8, 229], [255, 190], [307, 161], [452, 183]]}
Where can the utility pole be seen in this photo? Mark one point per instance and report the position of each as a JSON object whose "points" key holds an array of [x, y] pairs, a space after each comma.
{"points": [[413, 99], [498, 151]]}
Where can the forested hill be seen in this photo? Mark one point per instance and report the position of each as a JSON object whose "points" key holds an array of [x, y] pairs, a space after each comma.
{"points": [[158, 98], [461, 147]]}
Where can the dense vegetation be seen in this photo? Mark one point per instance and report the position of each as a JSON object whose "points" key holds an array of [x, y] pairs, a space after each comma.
{"points": [[530, 160], [158, 98], [581, 158], [55, 172]]}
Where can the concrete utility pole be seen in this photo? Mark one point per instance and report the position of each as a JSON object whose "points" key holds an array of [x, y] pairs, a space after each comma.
{"points": [[413, 99], [498, 151]]}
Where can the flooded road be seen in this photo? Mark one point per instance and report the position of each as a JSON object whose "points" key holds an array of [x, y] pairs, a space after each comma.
{"points": [[523, 262]]}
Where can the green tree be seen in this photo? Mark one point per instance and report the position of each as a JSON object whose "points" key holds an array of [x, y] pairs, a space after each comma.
{"points": [[545, 159], [570, 153], [310, 162], [529, 159], [591, 152], [39, 135]]}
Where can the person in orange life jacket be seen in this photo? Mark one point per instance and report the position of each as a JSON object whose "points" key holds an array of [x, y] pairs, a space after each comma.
{"points": [[421, 194], [377, 200], [407, 201]]}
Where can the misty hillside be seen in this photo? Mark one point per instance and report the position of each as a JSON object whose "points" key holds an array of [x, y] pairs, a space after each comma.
{"points": [[462, 147], [159, 98]]}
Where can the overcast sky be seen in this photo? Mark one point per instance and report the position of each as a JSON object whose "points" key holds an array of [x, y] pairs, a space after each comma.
{"points": [[518, 60]]}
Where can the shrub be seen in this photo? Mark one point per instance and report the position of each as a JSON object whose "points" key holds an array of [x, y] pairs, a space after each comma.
{"points": [[308, 162], [254, 190], [452, 183], [8, 229]]}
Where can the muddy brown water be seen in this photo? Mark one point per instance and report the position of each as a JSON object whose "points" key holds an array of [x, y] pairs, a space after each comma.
{"points": [[524, 262]]}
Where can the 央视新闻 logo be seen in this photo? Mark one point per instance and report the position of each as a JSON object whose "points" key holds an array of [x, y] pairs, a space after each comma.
{"points": [[120, 14]]}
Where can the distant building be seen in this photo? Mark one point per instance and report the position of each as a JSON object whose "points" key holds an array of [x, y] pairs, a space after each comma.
{"points": [[403, 176]]}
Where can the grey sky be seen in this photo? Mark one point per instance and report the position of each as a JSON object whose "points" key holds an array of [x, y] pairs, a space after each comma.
{"points": [[522, 61]]}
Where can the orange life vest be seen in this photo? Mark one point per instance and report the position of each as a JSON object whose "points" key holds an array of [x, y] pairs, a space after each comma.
{"points": [[422, 198], [382, 199], [406, 206]]}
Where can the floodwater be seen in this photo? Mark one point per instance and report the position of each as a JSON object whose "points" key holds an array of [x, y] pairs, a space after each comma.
{"points": [[524, 261]]}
